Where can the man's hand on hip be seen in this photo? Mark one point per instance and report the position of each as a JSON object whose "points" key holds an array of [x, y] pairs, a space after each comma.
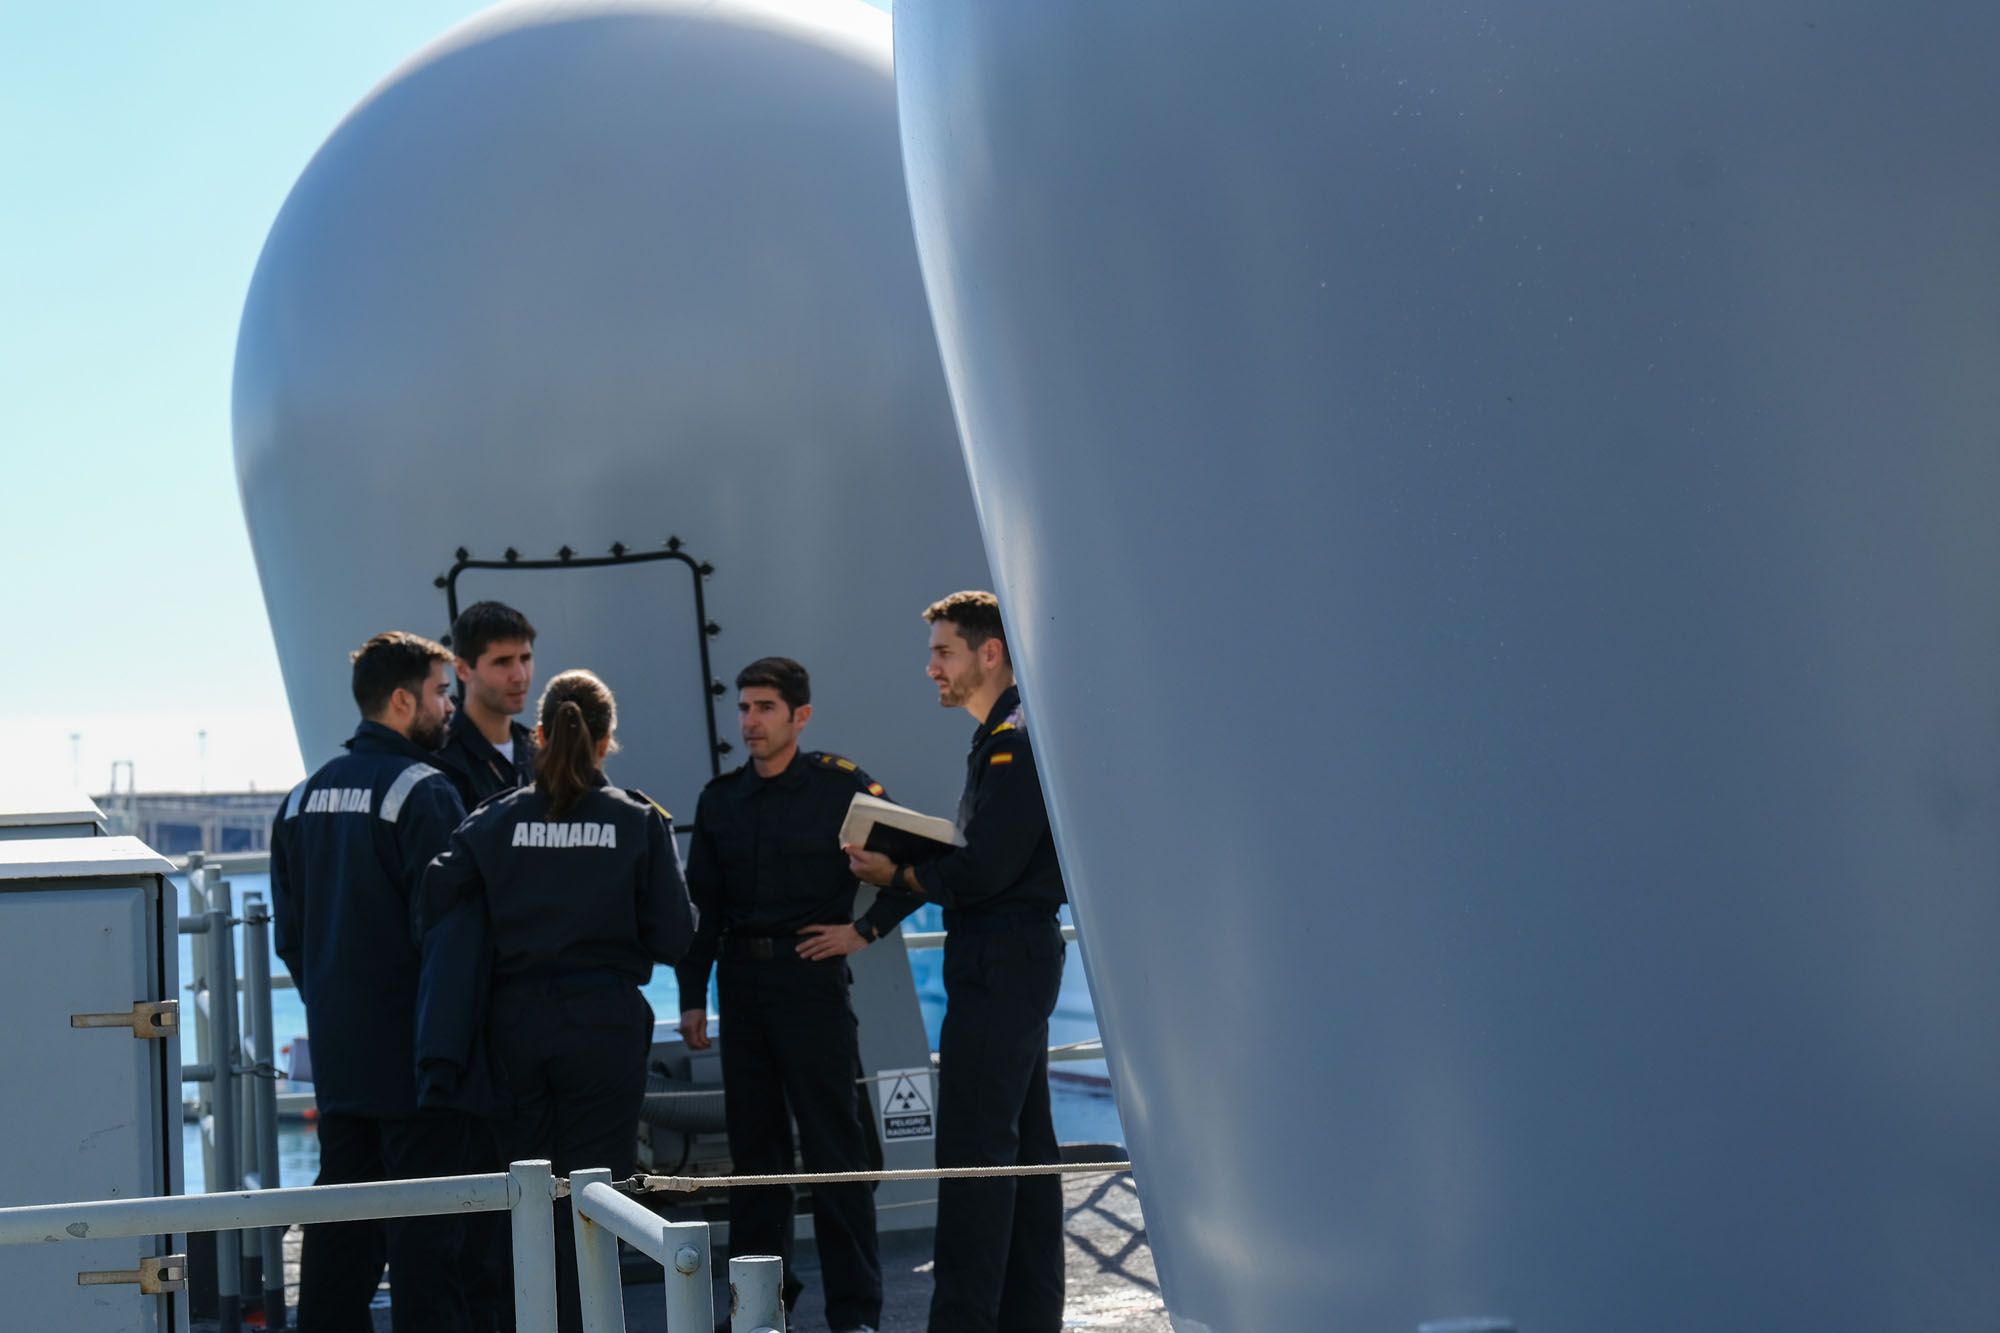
{"points": [[830, 941], [694, 1029]]}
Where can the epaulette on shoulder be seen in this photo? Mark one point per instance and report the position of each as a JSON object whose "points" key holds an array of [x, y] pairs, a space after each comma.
{"points": [[644, 799], [842, 764], [1014, 721]]}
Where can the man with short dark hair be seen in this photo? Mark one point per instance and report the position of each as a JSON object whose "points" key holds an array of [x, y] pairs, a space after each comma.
{"points": [[999, 1241], [348, 853], [776, 902], [486, 751]]}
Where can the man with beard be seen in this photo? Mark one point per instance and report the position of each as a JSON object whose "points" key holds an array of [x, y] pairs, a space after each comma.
{"points": [[486, 752], [999, 1240], [348, 853]]}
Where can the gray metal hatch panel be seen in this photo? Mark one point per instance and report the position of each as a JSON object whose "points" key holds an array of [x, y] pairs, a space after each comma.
{"points": [[95, 1130], [1525, 475], [79, 858]]}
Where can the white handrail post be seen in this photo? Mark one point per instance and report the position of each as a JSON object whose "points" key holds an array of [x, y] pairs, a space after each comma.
{"points": [[756, 1294], [203, 988], [264, 1087], [228, 1053], [531, 1205], [597, 1283], [690, 1289]]}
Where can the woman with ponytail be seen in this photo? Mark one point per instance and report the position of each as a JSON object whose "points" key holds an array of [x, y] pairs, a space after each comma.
{"points": [[575, 887]]}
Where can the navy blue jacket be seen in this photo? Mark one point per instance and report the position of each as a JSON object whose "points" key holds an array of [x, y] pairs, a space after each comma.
{"points": [[348, 853], [479, 771], [1008, 863], [524, 895], [765, 859]]}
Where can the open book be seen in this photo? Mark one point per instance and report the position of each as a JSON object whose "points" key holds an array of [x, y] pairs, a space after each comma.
{"points": [[901, 834]]}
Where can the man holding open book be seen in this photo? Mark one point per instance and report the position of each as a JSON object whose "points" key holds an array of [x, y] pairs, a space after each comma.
{"points": [[999, 1240], [776, 904]]}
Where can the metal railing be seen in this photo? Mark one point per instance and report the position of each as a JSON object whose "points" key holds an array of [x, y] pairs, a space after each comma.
{"points": [[233, 863], [602, 1214], [934, 939], [603, 1217], [527, 1191], [236, 1073]]}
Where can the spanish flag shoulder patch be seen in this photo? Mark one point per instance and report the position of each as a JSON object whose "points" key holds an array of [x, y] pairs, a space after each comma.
{"points": [[1003, 757], [874, 789]]}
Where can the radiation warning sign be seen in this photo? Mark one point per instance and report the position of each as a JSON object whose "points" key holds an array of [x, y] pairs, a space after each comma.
{"points": [[909, 1111]]}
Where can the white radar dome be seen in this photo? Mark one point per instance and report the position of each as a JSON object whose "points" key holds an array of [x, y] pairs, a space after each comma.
{"points": [[577, 281]]}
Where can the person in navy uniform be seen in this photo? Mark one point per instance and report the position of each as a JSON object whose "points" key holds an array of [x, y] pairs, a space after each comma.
{"points": [[777, 907], [999, 1241], [575, 888], [486, 752], [348, 853]]}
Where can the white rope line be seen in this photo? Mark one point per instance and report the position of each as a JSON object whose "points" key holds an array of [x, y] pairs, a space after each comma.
{"points": [[1076, 1045], [690, 1184]]}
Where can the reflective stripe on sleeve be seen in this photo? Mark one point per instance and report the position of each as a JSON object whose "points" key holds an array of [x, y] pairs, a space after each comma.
{"points": [[405, 783]]}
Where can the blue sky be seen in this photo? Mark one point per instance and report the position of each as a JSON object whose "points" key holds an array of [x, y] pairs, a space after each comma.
{"points": [[144, 151]]}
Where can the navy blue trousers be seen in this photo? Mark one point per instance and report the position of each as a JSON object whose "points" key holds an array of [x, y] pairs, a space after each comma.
{"points": [[340, 1263], [1000, 1241], [791, 1052], [572, 1062]]}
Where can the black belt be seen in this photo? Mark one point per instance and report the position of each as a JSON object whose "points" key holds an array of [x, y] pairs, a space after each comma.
{"points": [[990, 923], [762, 948]]}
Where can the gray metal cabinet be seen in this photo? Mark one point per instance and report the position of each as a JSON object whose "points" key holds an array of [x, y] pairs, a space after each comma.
{"points": [[91, 1105], [51, 817]]}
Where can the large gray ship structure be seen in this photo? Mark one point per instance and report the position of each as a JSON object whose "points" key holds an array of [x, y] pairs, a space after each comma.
{"points": [[1496, 507]]}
